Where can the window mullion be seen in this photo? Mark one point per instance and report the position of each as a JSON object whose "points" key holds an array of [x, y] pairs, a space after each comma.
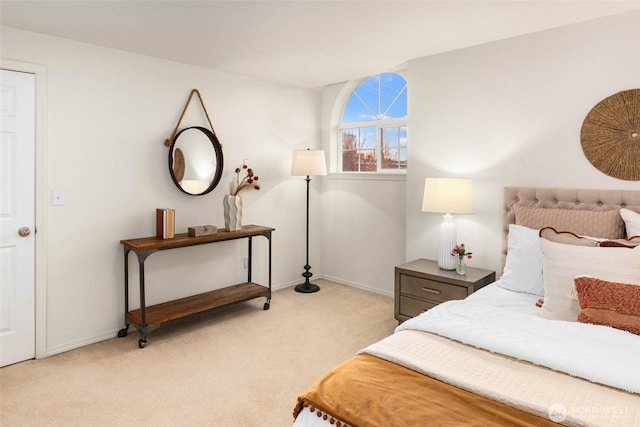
{"points": [[395, 99], [379, 97], [379, 148], [359, 151], [381, 123], [365, 104]]}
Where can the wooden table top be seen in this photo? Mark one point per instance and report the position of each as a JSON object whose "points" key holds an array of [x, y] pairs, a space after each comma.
{"points": [[183, 239]]}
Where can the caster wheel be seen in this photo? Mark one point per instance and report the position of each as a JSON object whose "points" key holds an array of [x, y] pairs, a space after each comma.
{"points": [[142, 342], [122, 333], [266, 306]]}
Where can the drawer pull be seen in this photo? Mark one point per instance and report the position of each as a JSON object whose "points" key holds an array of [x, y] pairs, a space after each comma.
{"points": [[432, 291]]}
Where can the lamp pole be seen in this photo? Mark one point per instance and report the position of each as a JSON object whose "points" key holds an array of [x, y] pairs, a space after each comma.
{"points": [[307, 287], [308, 163]]}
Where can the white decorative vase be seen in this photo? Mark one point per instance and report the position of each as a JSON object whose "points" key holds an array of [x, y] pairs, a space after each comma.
{"points": [[232, 212]]}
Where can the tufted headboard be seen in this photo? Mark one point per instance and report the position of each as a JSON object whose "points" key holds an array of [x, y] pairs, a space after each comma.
{"points": [[563, 198]]}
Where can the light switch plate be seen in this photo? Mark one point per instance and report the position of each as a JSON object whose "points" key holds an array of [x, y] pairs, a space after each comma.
{"points": [[57, 197]]}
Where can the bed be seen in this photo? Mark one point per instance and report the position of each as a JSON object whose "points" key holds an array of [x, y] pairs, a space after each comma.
{"points": [[556, 340]]}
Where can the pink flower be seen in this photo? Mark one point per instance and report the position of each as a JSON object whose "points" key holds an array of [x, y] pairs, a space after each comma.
{"points": [[460, 251]]}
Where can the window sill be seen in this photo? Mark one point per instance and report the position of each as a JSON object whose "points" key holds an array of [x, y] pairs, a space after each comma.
{"points": [[371, 176]]}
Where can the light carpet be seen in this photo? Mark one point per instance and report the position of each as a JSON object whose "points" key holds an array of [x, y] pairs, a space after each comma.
{"points": [[235, 366]]}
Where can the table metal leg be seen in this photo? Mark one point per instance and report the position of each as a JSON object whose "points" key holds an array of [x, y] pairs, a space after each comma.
{"points": [[123, 332], [142, 256], [249, 254], [269, 238], [268, 303], [143, 319]]}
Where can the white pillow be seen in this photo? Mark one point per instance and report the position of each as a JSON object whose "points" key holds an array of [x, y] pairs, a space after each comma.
{"points": [[631, 221], [523, 265], [562, 263]]}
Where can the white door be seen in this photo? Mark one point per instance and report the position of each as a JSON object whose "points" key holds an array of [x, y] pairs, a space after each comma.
{"points": [[17, 216]]}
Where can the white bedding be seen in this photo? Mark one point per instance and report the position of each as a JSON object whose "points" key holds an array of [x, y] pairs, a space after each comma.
{"points": [[496, 296], [506, 322], [540, 391]]}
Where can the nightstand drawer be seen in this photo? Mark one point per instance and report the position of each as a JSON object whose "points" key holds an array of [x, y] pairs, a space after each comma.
{"points": [[430, 289], [412, 307], [420, 285]]}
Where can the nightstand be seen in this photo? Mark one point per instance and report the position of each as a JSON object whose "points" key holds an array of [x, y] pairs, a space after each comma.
{"points": [[421, 285]]}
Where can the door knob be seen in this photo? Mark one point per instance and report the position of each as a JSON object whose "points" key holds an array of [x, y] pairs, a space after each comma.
{"points": [[24, 231]]}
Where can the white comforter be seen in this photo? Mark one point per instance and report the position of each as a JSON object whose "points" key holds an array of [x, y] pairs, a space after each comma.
{"points": [[596, 353], [506, 322]]}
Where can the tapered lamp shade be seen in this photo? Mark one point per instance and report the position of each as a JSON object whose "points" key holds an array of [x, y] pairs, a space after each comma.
{"points": [[447, 196], [309, 163]]}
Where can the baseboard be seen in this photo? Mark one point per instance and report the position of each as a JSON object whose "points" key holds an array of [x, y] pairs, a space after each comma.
{"points": [[356, 285], [286, 285], [81, 343]]}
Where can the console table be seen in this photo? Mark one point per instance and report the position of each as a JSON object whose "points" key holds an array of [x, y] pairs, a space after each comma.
{"points": [[146, 319]]}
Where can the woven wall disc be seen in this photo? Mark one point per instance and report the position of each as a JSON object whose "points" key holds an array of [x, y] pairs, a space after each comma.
{"points": [[610, 135]]}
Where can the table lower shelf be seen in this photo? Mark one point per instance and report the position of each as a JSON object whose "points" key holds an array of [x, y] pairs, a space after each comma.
{"points": [[161, 313]]}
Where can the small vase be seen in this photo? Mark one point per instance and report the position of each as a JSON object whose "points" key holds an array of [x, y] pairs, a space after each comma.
{"points": [[232, 212], [461, 267]]}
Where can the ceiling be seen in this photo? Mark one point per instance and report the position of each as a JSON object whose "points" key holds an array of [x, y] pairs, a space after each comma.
{"points": [[307, 44]]}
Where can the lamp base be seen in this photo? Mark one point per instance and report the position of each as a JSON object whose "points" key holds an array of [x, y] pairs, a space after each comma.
{"points": [[307, 288], [448, 238]]}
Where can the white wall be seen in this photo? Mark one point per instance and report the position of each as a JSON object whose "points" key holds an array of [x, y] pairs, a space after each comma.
{"points": [[509, 113], [108, 115], [363, 220]]}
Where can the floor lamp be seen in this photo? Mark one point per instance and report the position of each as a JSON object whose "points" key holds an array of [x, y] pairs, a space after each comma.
{"points": [[447, 196], [308, 163]]}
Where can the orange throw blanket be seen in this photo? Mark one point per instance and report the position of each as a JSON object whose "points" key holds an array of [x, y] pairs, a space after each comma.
{"points": [[368, 391]]}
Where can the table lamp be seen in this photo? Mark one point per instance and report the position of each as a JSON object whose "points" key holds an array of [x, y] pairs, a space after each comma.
{"points": [[447, 196]]}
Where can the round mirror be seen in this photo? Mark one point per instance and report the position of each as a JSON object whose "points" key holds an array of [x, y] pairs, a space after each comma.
{"points": [[195, 160]]}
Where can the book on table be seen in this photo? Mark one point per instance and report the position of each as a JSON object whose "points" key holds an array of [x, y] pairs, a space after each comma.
{"points": [[165, 223]]}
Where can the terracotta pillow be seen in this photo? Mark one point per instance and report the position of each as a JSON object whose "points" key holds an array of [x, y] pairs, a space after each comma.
{"points": [[609, 303], [630, 242], [603, 224], [566, 237], [570, 238]]}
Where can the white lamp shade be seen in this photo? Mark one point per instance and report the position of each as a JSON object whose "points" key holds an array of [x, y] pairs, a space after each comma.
{"points": [[308, 162], [448, 195]]}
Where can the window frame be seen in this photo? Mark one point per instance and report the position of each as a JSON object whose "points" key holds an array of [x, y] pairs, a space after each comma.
{"points": [[338, 127]]}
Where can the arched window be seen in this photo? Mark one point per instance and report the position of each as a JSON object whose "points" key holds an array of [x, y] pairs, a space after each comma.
{"points": [[373, 128]]}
